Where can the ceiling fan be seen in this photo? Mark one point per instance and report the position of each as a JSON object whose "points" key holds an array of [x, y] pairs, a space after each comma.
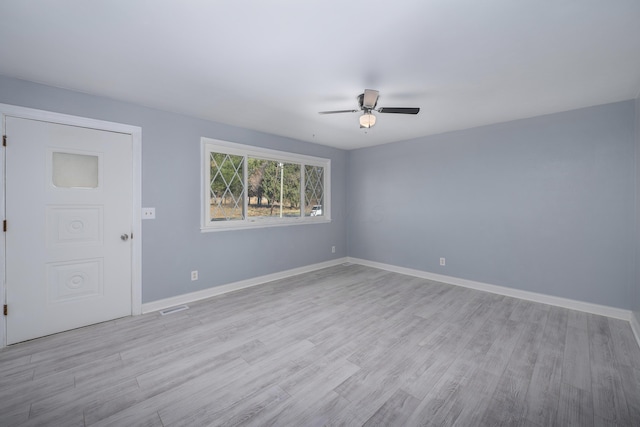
{"points": [[368, 101]]}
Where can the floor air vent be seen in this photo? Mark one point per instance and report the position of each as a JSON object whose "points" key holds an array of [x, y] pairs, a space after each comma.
{"points": [[175, 309]]}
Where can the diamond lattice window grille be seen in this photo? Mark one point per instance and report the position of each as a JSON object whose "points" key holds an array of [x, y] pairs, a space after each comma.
{"points": [[255, 187], [314, 187], [227, 187]]}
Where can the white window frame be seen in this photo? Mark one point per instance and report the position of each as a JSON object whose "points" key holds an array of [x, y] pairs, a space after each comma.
{"points": [[209, 145]]}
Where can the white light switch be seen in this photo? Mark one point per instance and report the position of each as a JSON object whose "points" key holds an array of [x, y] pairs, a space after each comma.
{"points": [[148, 213]]}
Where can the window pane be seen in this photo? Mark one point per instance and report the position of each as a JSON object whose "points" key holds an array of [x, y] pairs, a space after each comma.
{"points": [[227, 187], [74, 170], [313, 190], [274, 188]]}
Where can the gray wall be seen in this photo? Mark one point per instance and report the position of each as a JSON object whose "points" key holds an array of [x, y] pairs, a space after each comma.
{"points": [[543, 204], [173, 244], [635, 306]]}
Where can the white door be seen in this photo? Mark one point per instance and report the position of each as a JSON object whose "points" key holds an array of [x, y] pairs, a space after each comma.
{"points": [[69, 200]]}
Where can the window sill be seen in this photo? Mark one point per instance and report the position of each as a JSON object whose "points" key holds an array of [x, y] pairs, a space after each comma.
{"points": [[245, 225]]}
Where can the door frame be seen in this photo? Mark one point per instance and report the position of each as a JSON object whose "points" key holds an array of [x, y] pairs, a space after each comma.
{"points": [[136, 242]]}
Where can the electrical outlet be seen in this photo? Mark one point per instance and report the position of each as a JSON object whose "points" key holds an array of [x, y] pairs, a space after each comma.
{"points": [[333, 249], [148, 213], [194, 275], [443, 261]]}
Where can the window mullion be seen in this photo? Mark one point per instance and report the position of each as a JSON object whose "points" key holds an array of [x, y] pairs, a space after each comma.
{"points": [[207, 168], [302, 188], [245, 180]]}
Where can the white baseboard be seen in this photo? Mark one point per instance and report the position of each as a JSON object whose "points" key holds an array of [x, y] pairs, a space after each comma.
{"points": [[230, 287], [602, 310], [635, 326]]}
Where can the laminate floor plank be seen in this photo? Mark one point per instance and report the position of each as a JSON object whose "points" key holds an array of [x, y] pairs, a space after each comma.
{"points": [[72, 399], [395, 411], [9, 365], [180, 370], [438, 402], [609, 400], [320, 377], [347, 345], [577, 319], [19, 376], [482, 341], [88, 345], [240, 412], [441, 351], [32, 391], [142, 365], [67, 408], [17, 415], [543, 393], [502, 347], [183, 338], [238, 385], [630, 378], [310, 389], [625, 348], [134, 408], [468, 404], [142, 401], [302, 412], [576, 368], [369, 389], [575, 407], [525, 353], [473, 400], [555, 332], [507, 405]]}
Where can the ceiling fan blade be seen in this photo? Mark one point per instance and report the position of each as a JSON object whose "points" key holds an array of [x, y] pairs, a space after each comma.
{"points": [[370, 98], [338, 111], [398, 110]]}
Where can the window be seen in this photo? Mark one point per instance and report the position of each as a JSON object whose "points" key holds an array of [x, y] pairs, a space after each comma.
{"points": [[250, 187], [74, 170]]}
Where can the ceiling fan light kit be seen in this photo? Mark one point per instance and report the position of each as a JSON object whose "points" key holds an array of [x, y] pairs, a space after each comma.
{"points": [[367, 102], [367, 120]]}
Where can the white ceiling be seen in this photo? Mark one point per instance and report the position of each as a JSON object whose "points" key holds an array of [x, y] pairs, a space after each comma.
{"points": [[272, 65]]}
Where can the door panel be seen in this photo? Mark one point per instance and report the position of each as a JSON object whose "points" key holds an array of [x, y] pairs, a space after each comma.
{"points": [[69, 199]]}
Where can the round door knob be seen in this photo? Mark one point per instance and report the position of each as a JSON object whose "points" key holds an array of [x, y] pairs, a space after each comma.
{"points": [[125, 237]]}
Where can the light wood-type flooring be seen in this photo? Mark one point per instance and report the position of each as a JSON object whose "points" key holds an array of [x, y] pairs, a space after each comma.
{"points": [[348, 345]]}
